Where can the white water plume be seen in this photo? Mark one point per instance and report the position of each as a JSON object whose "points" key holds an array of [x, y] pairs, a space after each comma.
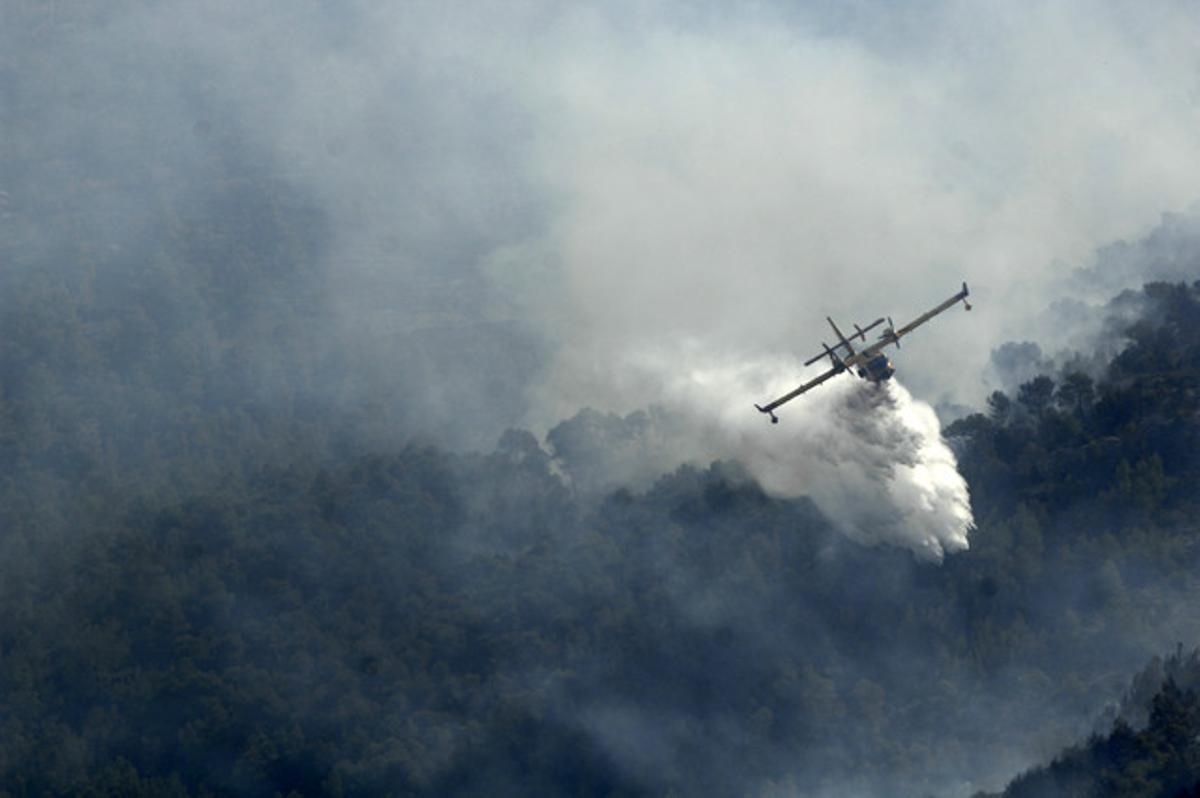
{"points": [[871, 457]]}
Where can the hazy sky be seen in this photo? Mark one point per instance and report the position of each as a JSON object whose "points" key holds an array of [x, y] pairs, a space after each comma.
{"points": [[663, 187], [733, 179], [651, 175], [633, 174]]}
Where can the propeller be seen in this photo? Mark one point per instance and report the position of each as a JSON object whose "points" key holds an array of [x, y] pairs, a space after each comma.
{"points": [[892, 332]]}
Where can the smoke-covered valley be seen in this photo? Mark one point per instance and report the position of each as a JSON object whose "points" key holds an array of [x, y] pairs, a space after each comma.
{"points": [[377, 383]]}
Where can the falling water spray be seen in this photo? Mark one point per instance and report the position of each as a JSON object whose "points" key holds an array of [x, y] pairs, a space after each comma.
{"points": [[870, 456]]}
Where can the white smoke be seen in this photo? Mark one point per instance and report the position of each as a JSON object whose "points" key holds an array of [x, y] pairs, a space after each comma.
{"points": [[636, 173], [735, 176], [871, 457]]}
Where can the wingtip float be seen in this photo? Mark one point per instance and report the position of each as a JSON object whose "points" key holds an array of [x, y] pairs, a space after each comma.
{"points": [[869, 363]]}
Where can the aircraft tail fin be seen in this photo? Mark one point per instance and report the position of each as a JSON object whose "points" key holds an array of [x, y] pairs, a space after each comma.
{"points": [[838, 333]]}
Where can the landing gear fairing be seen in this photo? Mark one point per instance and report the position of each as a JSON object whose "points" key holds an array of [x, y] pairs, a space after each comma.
{"points": [[870, 363]]}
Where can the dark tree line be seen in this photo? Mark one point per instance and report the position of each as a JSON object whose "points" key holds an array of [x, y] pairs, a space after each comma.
{"points": [[1159, 760]]}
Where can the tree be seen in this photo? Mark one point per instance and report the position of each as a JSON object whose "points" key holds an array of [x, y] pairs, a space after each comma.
{"points": [[1037, 395], [999, 406], [1076, 393]]}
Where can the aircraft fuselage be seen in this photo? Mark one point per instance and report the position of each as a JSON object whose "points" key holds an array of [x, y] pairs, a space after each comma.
{"points": [[877, 369]]}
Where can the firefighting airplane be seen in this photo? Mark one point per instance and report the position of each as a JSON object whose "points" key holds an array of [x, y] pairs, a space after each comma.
{"points": [[870, 363]]}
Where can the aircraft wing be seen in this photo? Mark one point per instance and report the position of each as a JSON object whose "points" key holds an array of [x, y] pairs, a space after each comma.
{"points": [[787, 397], [893, 336]]}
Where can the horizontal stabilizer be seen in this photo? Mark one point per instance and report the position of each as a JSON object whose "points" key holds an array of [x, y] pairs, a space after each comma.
{"points": [[830, 352]]}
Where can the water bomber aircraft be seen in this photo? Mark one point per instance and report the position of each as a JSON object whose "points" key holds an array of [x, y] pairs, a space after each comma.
{"points": [[870, 362]]}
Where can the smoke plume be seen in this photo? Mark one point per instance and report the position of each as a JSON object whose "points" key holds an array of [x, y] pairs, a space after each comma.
{"points": [[870, 456], [521, 204]]}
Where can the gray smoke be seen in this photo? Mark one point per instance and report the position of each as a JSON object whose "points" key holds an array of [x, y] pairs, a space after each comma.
{"points": [[731, 178], [640, 174], [870, 456], [522, 202], [533, 207]]}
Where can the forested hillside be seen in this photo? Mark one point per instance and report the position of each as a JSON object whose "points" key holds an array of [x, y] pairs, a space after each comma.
{"points": [[258, 539], [1150, 750], [212, 587]]}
